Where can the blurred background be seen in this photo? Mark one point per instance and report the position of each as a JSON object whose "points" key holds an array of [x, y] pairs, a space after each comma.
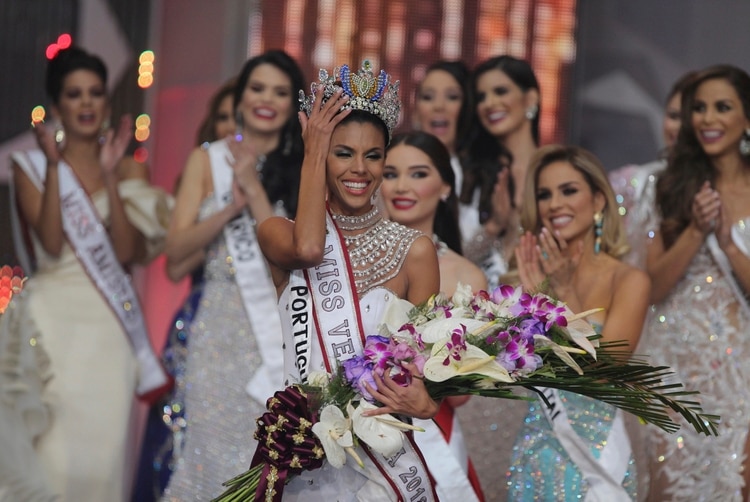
{"points": [[604, 67]]}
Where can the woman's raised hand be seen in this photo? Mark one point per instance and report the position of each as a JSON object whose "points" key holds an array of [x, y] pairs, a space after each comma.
{"points": [[528, 260], [706, 209], [244, 163], [114, 144], [324, 117], [45, 138], [559, 261]]}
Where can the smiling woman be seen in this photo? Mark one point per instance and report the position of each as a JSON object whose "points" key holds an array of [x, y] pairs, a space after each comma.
{"points": [[350, 265], [574, 238], [699, 261]]}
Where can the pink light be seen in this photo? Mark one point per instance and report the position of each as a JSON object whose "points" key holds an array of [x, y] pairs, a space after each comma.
{"points": [[64, 41]]}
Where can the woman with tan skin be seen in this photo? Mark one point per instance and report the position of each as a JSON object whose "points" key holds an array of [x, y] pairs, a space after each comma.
{"points": [[699, 263], [571, 248], [338, 223], [505, 135], [91, 214], [234, 340], [418, 192], [165, 425], [635, 184]]}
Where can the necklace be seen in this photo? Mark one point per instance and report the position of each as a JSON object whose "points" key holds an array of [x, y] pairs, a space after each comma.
{"points": [[377, 254], [367, 220]]}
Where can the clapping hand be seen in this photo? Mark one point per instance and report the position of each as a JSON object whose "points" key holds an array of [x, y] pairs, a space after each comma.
{"points": [[113, 145], [547, 257], [706, 209], [45, 138]]}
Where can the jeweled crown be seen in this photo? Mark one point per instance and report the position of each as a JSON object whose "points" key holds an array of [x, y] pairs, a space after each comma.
{"points": [[374, 94]]}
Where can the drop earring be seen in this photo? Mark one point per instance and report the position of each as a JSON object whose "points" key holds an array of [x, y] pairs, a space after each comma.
{"points": [[598, 230], [745, 143], [238, 125], [59, 136], [531, 112]]}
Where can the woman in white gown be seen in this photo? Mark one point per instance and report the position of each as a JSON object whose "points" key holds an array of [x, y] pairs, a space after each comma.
{"points": [[89, 212], [343, 163]]}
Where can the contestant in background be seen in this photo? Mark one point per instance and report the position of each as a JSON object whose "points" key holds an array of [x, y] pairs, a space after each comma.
{"points": [[234, 337], [635, 184], [165, 425], [578, 448], [91, 215], [504, 136], [337, 228], [699, 262], [418, 192]]}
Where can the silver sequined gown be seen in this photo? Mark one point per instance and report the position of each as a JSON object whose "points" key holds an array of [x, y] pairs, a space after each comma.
{"points": [[222, 357], [699, 331]]}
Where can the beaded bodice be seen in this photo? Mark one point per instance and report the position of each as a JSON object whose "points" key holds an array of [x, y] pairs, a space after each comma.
{"points": [[377, 253]]}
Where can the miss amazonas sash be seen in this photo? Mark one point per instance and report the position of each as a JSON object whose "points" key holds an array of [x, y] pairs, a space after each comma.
{"points": [[326, 296], [88, 238], [253, 280]]}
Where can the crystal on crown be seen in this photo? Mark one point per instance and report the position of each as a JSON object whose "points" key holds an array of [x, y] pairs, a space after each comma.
{"points": [[374, 94]]}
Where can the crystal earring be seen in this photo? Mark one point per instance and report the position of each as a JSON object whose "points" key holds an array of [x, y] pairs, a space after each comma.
{"points": [[59, 135], [598, 225], [745, 143], [531, 112]]}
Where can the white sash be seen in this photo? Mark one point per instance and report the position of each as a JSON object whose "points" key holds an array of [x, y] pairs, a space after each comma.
{"points": [[253, 280], [726, 268], [93, 248], [605, 475], [339, 330]]}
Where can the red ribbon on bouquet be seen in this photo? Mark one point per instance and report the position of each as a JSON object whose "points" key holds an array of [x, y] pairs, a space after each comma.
{"points": [[286, 443]]}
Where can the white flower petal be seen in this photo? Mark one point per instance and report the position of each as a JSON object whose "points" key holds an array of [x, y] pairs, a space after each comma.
{"points": [[474, 361], [396, 315], [381, 437], [439, 330], [462, 296], [333, 430], [543, 341]]}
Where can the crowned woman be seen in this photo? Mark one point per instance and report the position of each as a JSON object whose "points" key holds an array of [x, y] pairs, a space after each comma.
{"points": [[339, 266]]}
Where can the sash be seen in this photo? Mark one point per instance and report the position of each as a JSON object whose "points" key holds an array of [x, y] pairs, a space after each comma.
{"points": [[253, 280], [93, 248], [604, 475], [338, 322], [726, 268]]}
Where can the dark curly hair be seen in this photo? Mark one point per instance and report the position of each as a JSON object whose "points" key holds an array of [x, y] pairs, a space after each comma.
{"points": [[67, 61]]}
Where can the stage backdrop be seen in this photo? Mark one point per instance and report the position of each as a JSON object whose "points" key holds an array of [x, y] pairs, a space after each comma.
{"points": [[405, 37]]}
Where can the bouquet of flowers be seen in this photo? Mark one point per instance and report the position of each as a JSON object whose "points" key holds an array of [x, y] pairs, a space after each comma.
{"points": [[482, 344]]}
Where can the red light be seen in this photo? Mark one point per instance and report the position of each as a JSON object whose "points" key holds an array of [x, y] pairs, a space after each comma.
{"points": [[140, 154], [64, 41], [52, 50]]}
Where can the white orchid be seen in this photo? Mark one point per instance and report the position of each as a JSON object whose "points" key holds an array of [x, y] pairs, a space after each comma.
{"points": [[319, 379], [382, 433], [334, 432], [473, 361]]}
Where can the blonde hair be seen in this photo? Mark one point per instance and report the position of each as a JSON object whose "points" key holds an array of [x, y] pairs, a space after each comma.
{"points": [[613, 232]]}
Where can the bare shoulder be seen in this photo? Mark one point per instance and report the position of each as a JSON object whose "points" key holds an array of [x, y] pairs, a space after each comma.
{"points": [[631, 278], [422, 248], [463, 270]]}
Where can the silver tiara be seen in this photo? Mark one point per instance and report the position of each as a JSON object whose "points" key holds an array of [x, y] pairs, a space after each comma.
{"points": [[376, 95]]}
